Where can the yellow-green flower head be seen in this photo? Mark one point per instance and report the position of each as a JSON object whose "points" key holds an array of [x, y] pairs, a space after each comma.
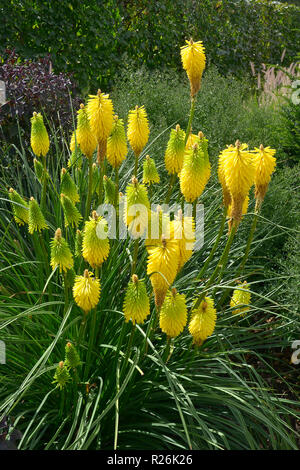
{"points": [[36, 220], [203, 144], [138, 129], [117, 144], [85, 137], [19, 207], [39, 169], [240, 299], [191, 140], [73, 142], [71, 213], [68, 186], [239, 172], [136, 305], [110, 190], [203, 321], [221, 175], [183, 230], [265, 163], [95, 242], [39, 139], [150, 173], [86, 291], [193, 176], [193, 61], [162, 267], [136, 208], [72, 358], [60, 253], [173, 314], [62, 375], [100, 112], [175, 150]]}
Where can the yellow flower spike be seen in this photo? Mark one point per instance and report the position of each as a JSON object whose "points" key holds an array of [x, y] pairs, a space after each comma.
{"points": [[71, 213], [61, 255], [240, 299], [136, 220], [68, 186], [86, 291], [85, 137], [183, 230], [100, 113], [191, 140], [162, 267], [73, 142], [36, 220], [239, 172], [39, 138], [203, 144], [19, 207], [175, 150], [193, 61], [265, 163], [116, 143], [150, 173], [203, 321], [244, 208], [193, 176], [221, 175], [136, 302], [173, 314], [62, 375], [95, 242], [138, 129]]}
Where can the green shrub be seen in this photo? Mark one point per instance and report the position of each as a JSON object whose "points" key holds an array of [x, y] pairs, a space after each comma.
{"points": [[93, 39], [226, 109]]}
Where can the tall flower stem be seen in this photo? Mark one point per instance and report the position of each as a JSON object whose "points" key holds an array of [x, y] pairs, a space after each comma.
{"points": [[129, 347], [90, 187], [93, 314], [170, 188], [135, 255], [44, 187], [241, 267], [100, 159], [215, 246], [136, 164], [192, 112], [249, 241], [220, 264], [188, 129], [117, 187]]}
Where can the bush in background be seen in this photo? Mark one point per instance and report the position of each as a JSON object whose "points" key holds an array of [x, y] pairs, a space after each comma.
{"points": [[91, 37], [32, 85]]}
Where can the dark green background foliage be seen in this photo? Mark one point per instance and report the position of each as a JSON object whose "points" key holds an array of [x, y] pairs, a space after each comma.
{"points": [[94, 38]]}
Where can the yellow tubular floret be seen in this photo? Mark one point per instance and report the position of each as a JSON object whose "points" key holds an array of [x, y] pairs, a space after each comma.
{"points": [[203, 321], [138, 129], [173, 314], [162, 267], [193, 61]]}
